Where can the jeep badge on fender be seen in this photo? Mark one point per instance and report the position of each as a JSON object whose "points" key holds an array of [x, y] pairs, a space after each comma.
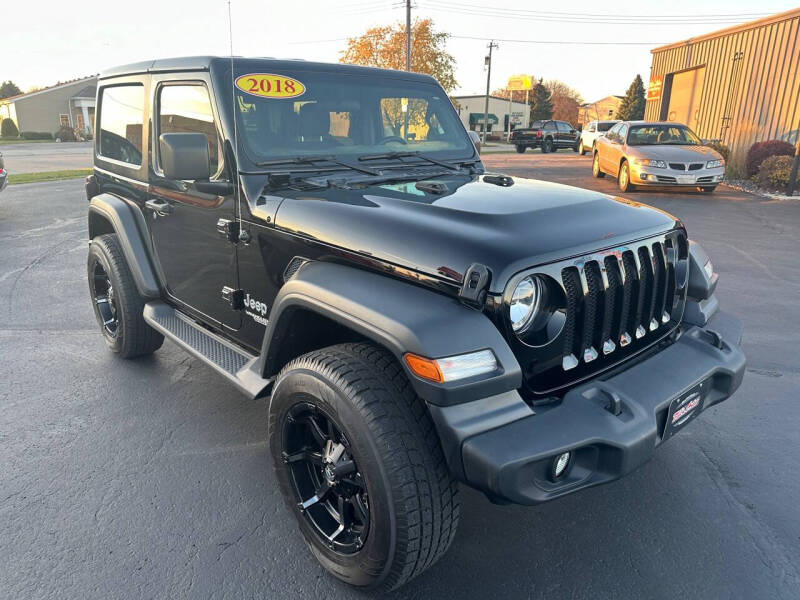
{"points": [[328, 242]]}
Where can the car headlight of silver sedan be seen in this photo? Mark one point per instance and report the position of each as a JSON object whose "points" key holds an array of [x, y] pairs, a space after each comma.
{"points": [[649, 162], [713, 164]]}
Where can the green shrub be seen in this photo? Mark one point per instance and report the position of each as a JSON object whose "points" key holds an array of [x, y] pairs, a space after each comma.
{"points": [[774, 172], [721, 148], [9, 129], [36, 135], [760, 151]]}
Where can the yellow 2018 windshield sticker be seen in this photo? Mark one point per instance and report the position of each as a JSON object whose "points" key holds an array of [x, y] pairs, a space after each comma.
{"points": [[268, 85]]}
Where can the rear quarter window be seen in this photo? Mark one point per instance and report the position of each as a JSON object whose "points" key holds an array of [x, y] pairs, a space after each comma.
{"points": [[121, 122]]}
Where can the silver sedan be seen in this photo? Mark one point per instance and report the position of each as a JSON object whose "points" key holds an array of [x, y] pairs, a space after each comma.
{"points": [[658, 153]]}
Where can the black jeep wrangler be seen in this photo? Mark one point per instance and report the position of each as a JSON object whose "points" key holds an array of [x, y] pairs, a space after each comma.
{"points": [[325, 237]]}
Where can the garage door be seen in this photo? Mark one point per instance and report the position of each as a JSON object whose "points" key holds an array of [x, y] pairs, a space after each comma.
{"points": [[684, 98]]}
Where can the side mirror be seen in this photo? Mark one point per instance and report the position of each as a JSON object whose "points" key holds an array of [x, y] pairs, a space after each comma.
{"points": [[184, 156]]}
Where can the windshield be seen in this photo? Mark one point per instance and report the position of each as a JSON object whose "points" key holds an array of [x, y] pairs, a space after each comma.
{"points": [[652, 135], [605, 126], [347, 115]]}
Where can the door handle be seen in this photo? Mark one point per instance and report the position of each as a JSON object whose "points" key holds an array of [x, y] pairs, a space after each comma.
{"points": [[161, 207]]}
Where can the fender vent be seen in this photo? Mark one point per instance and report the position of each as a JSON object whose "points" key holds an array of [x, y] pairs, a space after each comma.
{"points": [[292, 267]]}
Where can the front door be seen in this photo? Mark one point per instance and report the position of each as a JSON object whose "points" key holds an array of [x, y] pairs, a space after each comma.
{"points": [[196, 261]]}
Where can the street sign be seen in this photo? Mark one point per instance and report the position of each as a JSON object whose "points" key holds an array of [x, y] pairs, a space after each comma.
{"points": [[520, 82]]}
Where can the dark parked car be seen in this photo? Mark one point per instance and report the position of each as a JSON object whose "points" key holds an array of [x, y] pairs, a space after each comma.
{"points": [[325, 238], [3, 174], [549, 136]]}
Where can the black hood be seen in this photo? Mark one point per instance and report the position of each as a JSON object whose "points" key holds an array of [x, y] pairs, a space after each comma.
{"points": [[507, 229]]}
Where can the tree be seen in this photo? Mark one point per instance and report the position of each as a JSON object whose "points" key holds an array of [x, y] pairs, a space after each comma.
{"points": [[542, 107], [8, 89], [385, 47], [8, 129], [632, 107], [565, 100]]}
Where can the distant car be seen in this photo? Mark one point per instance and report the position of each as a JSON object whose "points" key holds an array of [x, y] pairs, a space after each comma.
{"points": [[642, 153], [591, 132], [549, 136], [476, 140], [3, 174]]}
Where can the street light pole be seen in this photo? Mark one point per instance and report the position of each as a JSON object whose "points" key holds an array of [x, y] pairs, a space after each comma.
{"points": [[488, 83], [408, 35]]}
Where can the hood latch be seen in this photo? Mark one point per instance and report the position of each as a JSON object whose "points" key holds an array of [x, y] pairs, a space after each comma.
{"points": [[476, 285]]}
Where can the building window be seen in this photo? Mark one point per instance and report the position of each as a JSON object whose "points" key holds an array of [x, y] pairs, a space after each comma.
{"points": [[121, 121], [64, 120]]}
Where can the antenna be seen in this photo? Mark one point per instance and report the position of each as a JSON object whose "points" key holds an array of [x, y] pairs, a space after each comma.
{"points": [[243, 235]]}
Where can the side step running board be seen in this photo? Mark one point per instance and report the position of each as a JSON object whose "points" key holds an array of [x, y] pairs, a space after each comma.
{"points": [[235, 364]]}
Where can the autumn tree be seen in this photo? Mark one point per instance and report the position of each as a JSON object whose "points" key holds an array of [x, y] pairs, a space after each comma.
{"points": [[542, 107], [8, 89], [565, 101], [632, 107], [385, 47]]}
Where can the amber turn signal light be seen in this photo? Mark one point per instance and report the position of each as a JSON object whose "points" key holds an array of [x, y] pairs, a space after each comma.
{"points": [[424, 367]]}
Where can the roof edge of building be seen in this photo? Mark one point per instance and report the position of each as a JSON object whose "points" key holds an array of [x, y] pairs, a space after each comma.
{"points": [[782, 16], [47, 89]]}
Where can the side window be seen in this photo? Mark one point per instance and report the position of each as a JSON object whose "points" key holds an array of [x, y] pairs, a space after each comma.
{"points": [[187, 109], [612, 133], [549, 126], [592, 127], [121, 119], [622, 134], [564, 127]]}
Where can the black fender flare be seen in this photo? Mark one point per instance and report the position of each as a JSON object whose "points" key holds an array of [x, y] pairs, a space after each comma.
{"points": [[402, 317], [107, 210]]}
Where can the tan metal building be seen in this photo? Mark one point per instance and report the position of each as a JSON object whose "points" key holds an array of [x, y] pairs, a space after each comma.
{"points": [[738, 85], [69, 104]]}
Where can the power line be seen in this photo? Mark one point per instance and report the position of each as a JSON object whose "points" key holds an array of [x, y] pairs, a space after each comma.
{"points": [[486, 39]]}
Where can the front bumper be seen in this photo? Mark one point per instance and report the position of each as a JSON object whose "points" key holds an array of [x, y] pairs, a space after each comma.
{"points": [[502, 447], [670, 177]]}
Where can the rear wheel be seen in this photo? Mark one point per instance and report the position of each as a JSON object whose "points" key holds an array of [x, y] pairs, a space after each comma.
{"points": [[596, 172], [116, 300], [624, 178], [359, 463], [709, 189], [520, 149]]}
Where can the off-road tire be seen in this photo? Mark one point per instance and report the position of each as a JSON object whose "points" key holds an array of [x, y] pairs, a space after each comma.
{"points": [[134, 337], [624, 178], [521, 149], [596, 172], [413, 500]]}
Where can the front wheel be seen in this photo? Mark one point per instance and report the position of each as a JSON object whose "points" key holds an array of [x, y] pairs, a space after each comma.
{"points": [[624, 178], [520, 149], [581, 149], [547, 146], [596, 172], [360, 466]]}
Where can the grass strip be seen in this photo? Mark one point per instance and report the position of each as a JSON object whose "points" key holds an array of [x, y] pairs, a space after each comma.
{"points": [[16, 178]]}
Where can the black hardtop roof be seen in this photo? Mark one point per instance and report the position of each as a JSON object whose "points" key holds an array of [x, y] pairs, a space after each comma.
{"points": [[205, 63]]}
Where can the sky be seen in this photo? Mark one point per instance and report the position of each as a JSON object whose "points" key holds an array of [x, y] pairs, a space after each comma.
{"points": [[44, 41]]}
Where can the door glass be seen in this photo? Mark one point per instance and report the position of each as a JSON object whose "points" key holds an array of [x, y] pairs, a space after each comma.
{"points": [[121, 118], [623, 133], [187, 109]]}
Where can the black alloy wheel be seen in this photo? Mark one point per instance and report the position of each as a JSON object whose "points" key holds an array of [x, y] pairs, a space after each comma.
{"points": [[104, 299], [330, 491]]}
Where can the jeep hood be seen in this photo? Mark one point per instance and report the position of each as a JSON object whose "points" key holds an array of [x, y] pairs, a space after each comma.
{"points": [[507, 229]]}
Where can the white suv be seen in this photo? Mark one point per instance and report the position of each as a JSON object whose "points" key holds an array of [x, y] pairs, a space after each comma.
{"points": [[591, 132]]}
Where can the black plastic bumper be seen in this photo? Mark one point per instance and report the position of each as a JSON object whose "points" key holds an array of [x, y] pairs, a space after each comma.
{"points": [[502, 447]]}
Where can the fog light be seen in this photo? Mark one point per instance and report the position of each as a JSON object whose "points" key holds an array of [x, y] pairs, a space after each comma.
{"points": [[560, 464]]}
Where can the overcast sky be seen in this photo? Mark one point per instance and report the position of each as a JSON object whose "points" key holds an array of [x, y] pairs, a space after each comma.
{"points": [[43, 41]]}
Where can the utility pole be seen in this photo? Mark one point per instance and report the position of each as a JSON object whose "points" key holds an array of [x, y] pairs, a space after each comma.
{"points": [[488, 83], [408, 35]]}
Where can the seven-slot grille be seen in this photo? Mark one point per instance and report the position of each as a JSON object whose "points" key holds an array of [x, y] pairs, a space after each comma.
{"points": [[617, 298]]}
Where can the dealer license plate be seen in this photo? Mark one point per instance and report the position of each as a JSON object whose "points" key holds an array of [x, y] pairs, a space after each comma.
{"points": [[683, 409], [685, 178]]}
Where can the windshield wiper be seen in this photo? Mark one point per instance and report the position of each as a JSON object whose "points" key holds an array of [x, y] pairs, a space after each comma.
{"points": [[415, 153], [310, 160]]}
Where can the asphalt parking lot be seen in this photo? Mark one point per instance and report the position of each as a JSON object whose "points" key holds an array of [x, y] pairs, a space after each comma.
{"points": [[151, 478]]}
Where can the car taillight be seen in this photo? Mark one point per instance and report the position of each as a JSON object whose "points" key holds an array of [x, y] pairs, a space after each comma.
{"points": [[2, 171], [538, 134]]}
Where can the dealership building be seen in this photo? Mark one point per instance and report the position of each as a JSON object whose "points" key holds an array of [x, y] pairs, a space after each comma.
{"points": [[737, 85], [471, 110]]}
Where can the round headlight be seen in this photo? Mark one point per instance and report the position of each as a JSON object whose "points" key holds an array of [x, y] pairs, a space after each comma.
{"points": [[524, 303]]}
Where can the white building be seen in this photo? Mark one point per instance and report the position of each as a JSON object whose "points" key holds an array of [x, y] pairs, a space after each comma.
{"points": [[471, 111]]}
